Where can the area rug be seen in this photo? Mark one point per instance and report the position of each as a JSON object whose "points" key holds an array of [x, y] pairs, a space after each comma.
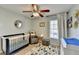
{"points": [[40, 49]]}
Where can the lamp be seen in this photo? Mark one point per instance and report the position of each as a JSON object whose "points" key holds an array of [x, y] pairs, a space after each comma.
{"points": [[42, 35]]}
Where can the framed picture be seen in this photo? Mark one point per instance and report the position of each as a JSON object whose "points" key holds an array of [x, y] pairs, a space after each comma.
{"points": [[42, 24], [69, 22]]}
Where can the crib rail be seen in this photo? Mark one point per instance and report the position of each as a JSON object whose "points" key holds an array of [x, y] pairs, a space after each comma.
{"points": [[12, 43]]}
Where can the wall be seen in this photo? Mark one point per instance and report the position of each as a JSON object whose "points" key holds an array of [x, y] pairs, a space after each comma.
{"points": [[42, 30], [73, 31], [7, 19]]}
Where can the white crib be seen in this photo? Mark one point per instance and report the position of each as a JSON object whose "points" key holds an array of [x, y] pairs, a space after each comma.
{"points": [[11, 43]]}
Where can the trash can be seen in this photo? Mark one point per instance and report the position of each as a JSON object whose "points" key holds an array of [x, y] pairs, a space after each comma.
{"points": [[46, 42]]}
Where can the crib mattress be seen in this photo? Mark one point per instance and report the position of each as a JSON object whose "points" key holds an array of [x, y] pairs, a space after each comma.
{"points": [[72, 41]]}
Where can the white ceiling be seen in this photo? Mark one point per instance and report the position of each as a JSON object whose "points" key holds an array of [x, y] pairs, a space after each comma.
{"points": [[54, 8]]}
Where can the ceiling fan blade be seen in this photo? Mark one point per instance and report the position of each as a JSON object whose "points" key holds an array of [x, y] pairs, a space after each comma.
{"points": [[45, 10], [26, 11], [32, 15], [41, 15], [35, 7]]}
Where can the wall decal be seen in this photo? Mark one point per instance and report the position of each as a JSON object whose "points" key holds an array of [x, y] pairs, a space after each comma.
{"points": [[76, 24], [77, 16]]}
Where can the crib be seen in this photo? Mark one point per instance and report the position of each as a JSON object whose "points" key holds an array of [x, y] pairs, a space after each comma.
{"points": [[72, 47], [14, 42]]}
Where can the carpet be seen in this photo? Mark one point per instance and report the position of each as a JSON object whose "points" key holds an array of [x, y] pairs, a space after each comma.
{"points": [[40, 49]]}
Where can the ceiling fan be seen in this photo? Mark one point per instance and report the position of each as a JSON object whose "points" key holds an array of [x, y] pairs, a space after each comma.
{"points": [[36, 12]]}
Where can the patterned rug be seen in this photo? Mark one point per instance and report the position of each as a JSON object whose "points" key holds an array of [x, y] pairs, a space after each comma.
{"points": [[40, 49]]}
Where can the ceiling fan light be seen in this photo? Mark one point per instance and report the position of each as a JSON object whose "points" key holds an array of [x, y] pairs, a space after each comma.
{"points": [[36, 14]]}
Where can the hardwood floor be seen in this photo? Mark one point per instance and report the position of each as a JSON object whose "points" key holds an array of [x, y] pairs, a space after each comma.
{"points": [[25, 50]]}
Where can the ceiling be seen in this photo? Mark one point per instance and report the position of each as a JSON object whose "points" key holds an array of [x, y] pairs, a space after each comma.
{"points": [[54, 8]]}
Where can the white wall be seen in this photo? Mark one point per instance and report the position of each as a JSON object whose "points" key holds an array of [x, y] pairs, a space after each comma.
{"points": [[73, 31], [7, 19], [40, 30]]}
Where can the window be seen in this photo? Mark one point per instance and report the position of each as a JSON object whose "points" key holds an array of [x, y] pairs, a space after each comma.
{"points": [[54, 29]]}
